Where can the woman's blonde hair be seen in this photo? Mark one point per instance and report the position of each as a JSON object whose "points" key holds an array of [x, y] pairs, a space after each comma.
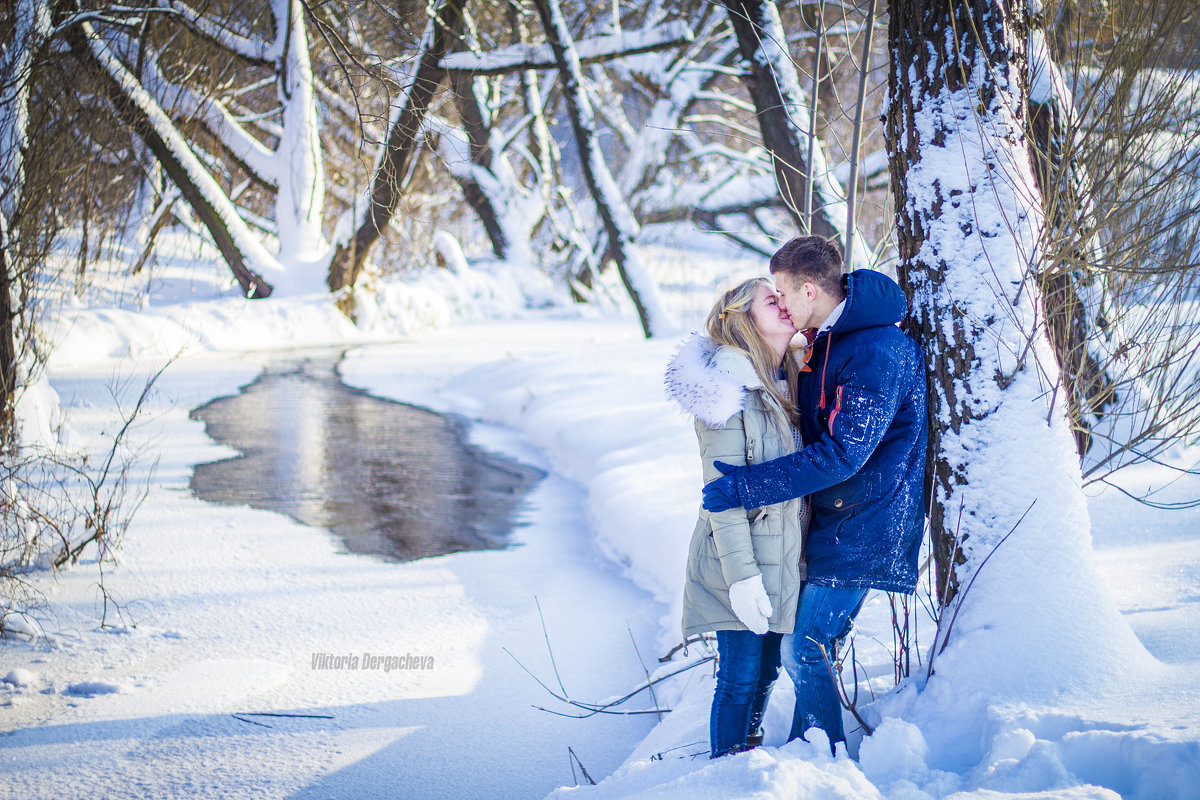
{"points": [[729, 324]]}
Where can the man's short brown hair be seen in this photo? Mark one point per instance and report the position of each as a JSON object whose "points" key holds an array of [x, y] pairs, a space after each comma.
{"points": [[814, 259]]}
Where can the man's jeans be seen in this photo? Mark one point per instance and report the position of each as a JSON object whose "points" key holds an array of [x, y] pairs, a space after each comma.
{"points": [[823, 618], [747, 667]]}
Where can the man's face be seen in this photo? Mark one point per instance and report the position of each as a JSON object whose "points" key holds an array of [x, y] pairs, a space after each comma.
{"points": [[796, 297]]}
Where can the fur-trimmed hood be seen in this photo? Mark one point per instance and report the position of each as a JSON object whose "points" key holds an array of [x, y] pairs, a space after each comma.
{"points": [[709, 381]]}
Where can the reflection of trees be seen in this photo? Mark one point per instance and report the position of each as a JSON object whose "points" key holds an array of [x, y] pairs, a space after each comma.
{"points": [[390, 479]]}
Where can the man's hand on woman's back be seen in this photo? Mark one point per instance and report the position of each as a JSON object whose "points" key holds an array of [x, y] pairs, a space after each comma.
{"points": [[722, 493]]}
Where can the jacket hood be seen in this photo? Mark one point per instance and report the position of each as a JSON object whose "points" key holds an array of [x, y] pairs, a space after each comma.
{"points": [[873, 300], [708, 381]]}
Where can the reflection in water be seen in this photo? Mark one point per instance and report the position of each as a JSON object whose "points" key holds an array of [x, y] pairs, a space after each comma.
{"points": [[390, 479]]}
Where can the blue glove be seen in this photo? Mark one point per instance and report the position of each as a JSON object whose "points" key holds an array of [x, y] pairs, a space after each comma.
{"points": [[722, 493]]}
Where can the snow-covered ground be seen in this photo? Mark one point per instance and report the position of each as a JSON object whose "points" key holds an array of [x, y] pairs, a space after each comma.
{"points": [[231, 604]]}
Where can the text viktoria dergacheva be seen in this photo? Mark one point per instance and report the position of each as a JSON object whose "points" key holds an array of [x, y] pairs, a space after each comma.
{"points": [[369, 661]]}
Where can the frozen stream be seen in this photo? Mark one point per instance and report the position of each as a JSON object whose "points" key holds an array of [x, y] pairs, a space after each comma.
{"points": [[229, 613], [390, 479]]}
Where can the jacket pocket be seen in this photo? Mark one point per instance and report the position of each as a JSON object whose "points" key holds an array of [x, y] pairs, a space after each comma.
{"points": [[847, 495]]}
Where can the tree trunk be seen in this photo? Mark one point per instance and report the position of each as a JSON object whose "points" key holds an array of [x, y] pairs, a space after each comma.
{"points": [[8, 345], [476, 124], [619, 223], [781, 109], [31, 28], [1009, 520], [445, 25], [138, 111], [1070, 242], [300, 199], [958, 232]]}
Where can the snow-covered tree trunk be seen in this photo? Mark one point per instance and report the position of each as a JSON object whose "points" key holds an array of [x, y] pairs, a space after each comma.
{"points": [[31, 29], [1072, 296], [300, 195], [619, 223], [408, 118], [138, 110], [782, 108], [969, 219], [477, 126]]}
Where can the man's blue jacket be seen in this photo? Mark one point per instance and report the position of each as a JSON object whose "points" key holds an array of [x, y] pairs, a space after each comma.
{"points": [[863, 417]]}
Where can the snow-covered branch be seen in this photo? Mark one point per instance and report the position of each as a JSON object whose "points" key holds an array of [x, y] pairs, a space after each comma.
{"points": [[519, 57], [240, 43], [244, 253], [620, 224], [256, 157], [394, 159]]}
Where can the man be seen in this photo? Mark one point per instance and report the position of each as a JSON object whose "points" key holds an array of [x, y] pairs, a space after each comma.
{"points": [[863, 418]]}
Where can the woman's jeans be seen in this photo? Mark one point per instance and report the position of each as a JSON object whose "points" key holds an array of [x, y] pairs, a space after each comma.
{"points": [[823, 618], [747, 667]]}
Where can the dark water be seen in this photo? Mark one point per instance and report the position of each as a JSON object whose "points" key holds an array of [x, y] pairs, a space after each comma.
{"points": [[390, 479]]}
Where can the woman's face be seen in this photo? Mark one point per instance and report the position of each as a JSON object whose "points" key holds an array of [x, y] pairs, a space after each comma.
{"points": [[770, 317]]}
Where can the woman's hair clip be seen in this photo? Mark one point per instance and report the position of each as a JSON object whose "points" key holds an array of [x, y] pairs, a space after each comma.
{"points": [[724, 315]]}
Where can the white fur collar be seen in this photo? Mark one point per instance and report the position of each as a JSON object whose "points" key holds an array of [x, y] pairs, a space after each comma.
{"points": [[707, 381]]}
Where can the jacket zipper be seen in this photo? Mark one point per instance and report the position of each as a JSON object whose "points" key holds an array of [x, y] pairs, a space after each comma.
{"points": [[837, 406]]}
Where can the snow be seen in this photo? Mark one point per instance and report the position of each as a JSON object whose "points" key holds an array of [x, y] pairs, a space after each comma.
{"points": [[21, 678], [232, 605], [300, 199], [258, 259], [531, 56]]}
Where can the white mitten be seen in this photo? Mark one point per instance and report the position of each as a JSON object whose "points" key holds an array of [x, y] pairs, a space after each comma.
{"points": [[751, 604]]}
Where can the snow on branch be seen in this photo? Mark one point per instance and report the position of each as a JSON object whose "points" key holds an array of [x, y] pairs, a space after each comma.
{"points": [[240, 44], [138, 109], [519, 57], [257, 158], [620, 224]]}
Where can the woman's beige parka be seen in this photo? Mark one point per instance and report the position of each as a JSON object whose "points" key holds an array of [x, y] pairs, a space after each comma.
{"points": [[719, 388]]}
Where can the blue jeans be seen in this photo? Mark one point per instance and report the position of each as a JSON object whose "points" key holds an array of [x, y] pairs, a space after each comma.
{"points": [[823, 617], [747, 666]]}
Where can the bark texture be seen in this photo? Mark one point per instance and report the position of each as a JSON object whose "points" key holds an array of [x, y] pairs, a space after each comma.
{"points": [[951, 80]]}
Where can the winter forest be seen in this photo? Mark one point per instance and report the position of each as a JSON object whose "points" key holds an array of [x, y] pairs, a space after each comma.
{"points": [[501, 218]]}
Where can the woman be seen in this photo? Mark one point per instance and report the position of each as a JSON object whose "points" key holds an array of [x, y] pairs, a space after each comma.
{"points": [[745, 566]]}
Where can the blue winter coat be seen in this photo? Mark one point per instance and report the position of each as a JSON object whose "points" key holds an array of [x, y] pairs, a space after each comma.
{"points": [[863, 412]]}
